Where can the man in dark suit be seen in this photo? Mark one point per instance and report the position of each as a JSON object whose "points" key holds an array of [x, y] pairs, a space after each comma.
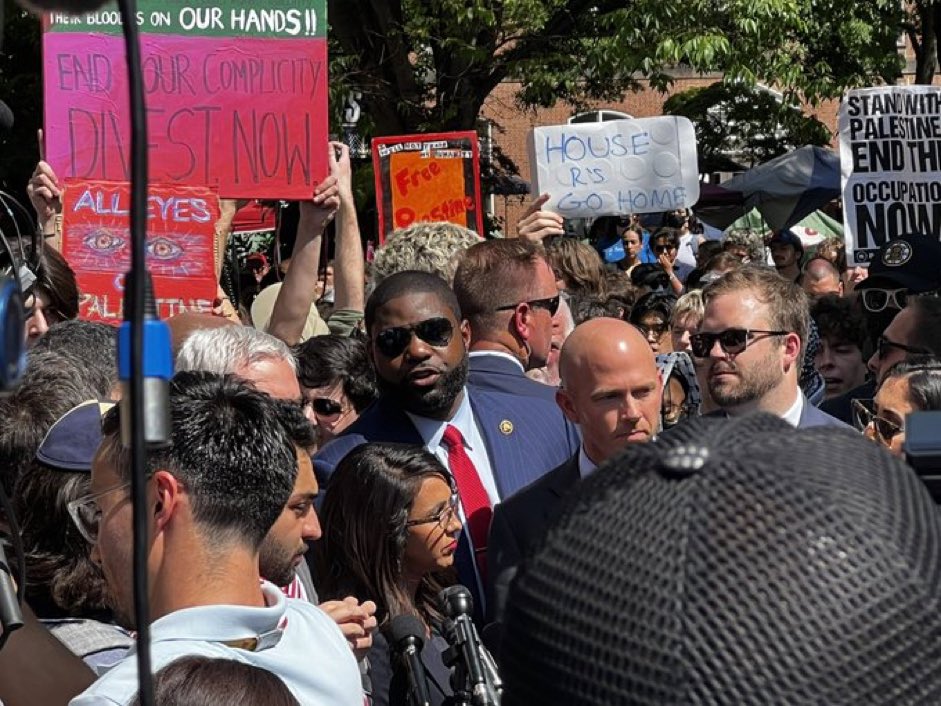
{"points": [[493, 443], [508, 296], [751, 343], [611, 388]]}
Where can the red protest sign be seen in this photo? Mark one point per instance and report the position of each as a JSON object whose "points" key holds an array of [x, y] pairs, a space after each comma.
{"points": [[96, 242], [236, 96], [434, 177]]}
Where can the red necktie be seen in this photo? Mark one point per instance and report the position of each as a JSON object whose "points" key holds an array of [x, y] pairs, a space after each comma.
{"points": [[474, 498]]}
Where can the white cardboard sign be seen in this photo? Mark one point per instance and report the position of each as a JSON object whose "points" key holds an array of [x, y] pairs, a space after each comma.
{"points": [[642, 165], [890, 162]]}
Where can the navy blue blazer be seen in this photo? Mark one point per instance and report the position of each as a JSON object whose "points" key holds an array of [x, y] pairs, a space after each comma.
{"points": [[497, 374], [525, 439], [810, 417]]}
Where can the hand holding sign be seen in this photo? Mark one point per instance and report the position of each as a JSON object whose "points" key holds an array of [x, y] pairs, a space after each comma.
{"points": [[536, 224], [317, 213], [45, 194]]}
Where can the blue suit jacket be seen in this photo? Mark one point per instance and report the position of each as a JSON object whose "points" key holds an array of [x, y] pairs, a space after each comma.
{"points": [[536, 440], [497, 374], [810, 417]]}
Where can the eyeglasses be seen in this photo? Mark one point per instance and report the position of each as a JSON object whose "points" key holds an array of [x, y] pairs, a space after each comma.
{"points": [[550, 304], [876, 300], [864, 414], [885, 344], [325, 407], [733, 340], [443, 517], [392, 342], [656, 330], [86, 514], [671, 415], [663, 248]]}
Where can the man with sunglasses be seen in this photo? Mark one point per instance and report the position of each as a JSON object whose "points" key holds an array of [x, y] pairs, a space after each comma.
{"points": [[493, 443], [916, 330], [750, 345], [508, 296], [907, 265], [612, 390]]}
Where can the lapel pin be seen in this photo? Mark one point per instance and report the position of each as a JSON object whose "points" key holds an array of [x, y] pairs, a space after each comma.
{"points": [[506, 427]]}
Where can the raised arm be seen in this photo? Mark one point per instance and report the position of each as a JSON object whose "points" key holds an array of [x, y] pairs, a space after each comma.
{"points": [[348, 265], [536, 224], [298, 290], [45, 195]]}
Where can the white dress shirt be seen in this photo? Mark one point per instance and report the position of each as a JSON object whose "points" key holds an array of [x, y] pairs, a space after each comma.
{"points": [[431, 431], [585, 464]]}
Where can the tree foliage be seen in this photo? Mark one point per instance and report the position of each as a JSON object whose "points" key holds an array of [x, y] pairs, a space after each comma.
{"points": [[430, 64], [740, 126]]}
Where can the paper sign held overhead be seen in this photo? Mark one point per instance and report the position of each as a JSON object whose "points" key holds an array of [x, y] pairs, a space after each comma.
{"points": [[433, 177], [642, 165], [236, 95], [890, 159], [96, 242]]}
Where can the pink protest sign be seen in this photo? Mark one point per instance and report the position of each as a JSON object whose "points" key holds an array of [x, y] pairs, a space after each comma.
{"points": [[236, 97]]}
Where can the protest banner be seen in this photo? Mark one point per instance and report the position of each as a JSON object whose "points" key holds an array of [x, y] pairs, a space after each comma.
{"points": [[96, 242], [616, 167], [434, 177], [890, 160], [236, 95]]}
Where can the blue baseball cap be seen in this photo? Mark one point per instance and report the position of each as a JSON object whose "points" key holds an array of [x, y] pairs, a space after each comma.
{"points": [[71, 443]]}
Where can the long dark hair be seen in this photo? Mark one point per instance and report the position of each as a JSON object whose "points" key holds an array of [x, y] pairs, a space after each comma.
{"points": [[364, 512]]}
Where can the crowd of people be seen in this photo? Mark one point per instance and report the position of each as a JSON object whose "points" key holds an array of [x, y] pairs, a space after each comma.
{"points": [[338, 459]]}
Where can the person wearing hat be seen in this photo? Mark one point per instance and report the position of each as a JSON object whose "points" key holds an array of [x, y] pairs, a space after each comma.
{"points": [[735, 561], [63, 586], [786, 253], [909, 264]]}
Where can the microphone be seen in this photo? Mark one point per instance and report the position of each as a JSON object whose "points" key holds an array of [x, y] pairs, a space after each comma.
{"points": [[457, 604], [157, 364], [6, 115], [11, 618], [406, 638]]}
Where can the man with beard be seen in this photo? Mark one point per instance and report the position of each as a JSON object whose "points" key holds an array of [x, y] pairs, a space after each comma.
{"points": [[492, 442], [751, 346], [786, 252]]}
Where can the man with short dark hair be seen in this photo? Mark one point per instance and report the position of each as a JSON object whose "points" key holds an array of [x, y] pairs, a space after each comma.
{"points": [[207, 518], [751, 345], [916, 329], [493, 443], [786, 253], [508, 295]]}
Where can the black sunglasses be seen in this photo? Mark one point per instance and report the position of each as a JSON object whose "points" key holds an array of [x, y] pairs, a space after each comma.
{"points": [[663, 248], [885, 344], [550, 304], [657, 330], [326, 407], [864, 414], [733, 340], [392, 342]]}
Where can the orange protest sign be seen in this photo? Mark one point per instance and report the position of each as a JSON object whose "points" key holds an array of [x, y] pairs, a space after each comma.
{"points": [[431, 177], [427, 188]]}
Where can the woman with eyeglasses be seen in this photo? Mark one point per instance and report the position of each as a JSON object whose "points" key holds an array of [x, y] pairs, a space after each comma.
{"points": [[913, 385], [390, 529]]}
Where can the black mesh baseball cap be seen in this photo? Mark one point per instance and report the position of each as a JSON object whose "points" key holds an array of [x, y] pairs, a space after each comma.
{"points": [[911, 262], [735, 561]]}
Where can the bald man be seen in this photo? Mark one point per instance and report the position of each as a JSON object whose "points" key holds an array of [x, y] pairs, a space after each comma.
{"points": [[820, 277], [611, 388]]}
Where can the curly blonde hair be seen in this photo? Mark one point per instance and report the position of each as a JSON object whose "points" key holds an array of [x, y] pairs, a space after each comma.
{"points": [[428, 247]]}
